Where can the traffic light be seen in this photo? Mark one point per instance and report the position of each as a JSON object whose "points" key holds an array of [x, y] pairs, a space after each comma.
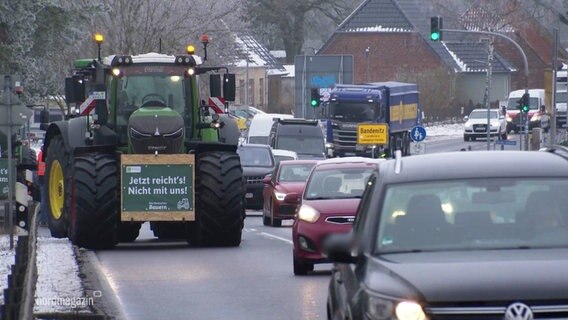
{"points": [[315, 97], [525, 103], [436, 28]]}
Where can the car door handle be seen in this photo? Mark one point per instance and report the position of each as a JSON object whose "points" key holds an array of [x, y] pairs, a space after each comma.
{"points": [[337, 275]]}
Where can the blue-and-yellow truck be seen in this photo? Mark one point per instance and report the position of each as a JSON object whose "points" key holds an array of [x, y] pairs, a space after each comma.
{"points": [[394, 104]]}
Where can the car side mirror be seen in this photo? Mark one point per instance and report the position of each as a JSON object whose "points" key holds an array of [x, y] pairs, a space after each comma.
{"points": [[292, 198], [267, 178], [338, 248]]}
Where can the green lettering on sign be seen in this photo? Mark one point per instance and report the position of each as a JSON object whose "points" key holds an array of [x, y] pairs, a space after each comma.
{"points": [[157, 187]]}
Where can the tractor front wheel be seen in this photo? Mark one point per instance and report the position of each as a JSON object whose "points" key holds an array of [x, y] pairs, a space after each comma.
{"points": [[220, 206], [95, 217]]}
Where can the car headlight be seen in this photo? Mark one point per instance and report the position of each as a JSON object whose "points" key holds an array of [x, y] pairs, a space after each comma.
{"points": [[509, 119], [494, 124], [378, 308], [408, 310], [279, 195], [308, 214], [535, 117], [468, 125]]}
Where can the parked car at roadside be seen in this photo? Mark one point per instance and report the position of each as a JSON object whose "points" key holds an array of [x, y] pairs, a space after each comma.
{"points": [[327, 206], [257, 161], [476, 125], [456, 235], [288, 177]]}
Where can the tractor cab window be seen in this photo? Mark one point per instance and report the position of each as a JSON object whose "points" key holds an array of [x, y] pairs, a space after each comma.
{"points": [[145, 86]]}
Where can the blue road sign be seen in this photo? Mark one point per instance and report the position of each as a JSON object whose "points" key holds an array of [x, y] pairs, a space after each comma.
{"points": [[506, 142], [418, 134]]}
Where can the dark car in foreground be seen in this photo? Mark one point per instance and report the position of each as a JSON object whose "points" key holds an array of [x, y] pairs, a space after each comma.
{"points": [[460, 235], [328, 206], [289, 177], [257, 161]]}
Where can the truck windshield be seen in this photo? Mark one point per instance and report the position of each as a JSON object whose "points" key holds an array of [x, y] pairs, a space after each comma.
{"points": [[352, 111]]}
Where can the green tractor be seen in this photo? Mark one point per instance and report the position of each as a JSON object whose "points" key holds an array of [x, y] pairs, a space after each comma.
{"points": [[140, 145]]}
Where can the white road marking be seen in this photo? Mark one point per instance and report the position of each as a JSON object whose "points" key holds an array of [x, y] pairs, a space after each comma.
{"points": [[276, 237]]}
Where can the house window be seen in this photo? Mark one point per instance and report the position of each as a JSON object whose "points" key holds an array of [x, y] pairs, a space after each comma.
{"points": [[261, 91], [242, 92], [251, 93]]}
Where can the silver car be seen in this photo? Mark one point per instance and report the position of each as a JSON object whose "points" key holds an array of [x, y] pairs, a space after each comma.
{"points": [[476, 125]]}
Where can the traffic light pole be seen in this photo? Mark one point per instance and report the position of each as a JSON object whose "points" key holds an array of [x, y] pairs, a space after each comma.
{"points": [[524, 61]]}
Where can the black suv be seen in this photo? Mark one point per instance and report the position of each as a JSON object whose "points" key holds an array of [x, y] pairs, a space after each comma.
{"points": [[305, 137], [257, 161], [461, 235]]}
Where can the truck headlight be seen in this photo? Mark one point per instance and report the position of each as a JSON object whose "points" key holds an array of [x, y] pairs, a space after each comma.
{"points": [[279, 195], [308, 214], [329, 145]]}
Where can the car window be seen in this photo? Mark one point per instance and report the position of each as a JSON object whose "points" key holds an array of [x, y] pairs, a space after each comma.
{"points": [[337, 183], [471, 214], [295, 172], [482, 114], [255, 157], [364, 205], [281, 158]]}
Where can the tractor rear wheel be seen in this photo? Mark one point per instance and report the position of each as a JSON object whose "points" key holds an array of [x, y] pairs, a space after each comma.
{"points": [[57, 181], [219, 200], [94, 218]]}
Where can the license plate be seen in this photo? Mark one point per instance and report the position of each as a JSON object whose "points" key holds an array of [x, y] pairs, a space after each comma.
{"points": [[248, 195], [480, 129]]}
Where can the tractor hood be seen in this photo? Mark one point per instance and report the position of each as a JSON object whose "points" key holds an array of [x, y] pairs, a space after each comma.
{"points": [[154, 129]]}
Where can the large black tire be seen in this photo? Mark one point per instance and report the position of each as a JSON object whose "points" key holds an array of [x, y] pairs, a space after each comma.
{"points": [[219, 200], [95, 218], [230, 132], [128, 231], [58, 176]]}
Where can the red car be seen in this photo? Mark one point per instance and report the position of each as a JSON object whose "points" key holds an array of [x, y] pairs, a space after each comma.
{"points": [[328, 205], [289, 177]]}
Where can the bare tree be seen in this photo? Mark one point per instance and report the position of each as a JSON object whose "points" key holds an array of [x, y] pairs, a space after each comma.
{"points": [[285, 20]]}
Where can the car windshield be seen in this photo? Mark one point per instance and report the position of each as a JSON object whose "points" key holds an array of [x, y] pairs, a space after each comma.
{"points": [[337, 183], [295, 172], [473, 214], [351, 111], [255, 157], [301, 144], [513, 103], [482, 114]]}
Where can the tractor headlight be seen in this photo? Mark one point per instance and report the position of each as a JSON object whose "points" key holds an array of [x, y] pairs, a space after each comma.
{"points": [[308, 214], [190, 71], [174, 135], [279, 195], [116, 72], [138, 135]]}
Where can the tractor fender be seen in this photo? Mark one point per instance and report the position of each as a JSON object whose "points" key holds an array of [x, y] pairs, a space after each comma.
{"points": [[72, 132]]}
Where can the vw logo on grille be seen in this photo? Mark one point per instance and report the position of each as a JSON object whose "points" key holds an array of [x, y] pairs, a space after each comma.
{"points": [[518, 311]]}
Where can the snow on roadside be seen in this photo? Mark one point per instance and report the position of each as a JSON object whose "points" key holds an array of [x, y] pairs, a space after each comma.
{"points": [[445, 130], [7, 259], [59, 287]]}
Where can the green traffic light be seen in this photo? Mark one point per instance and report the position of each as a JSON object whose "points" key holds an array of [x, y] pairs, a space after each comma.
{"points": [[314, 103], [435, 36], [525, 109]]}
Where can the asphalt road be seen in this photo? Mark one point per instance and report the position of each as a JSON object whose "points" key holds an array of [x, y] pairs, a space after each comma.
{"points": [[457, 143], [170, 280]]}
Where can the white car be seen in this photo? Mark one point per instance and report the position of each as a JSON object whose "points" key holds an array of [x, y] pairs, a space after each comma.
{"points": [[476, 125], [281, 154]]}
